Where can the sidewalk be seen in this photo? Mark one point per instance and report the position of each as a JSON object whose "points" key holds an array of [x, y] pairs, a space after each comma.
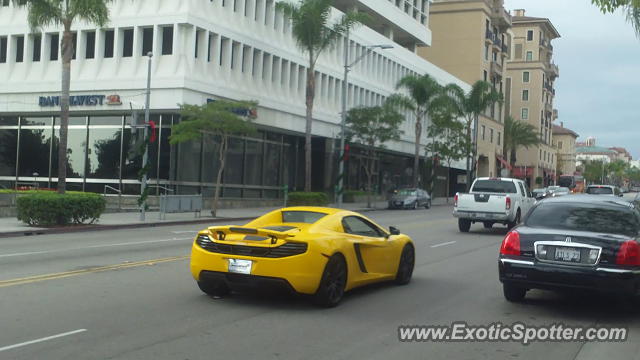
{"points": [[111, 221]]}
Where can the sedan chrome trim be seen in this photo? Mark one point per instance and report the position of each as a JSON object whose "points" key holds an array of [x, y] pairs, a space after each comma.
{"points": [[567, 244], [514, 261], [618, 271]]}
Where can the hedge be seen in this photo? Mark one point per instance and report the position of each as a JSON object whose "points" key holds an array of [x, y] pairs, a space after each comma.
{"points": [[349, 196], [49, 208], [307, 199]]}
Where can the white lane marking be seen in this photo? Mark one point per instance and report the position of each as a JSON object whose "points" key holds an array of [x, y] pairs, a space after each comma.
{"points": [[185, 232], [42, 339], [92, 247], [443, 244]]}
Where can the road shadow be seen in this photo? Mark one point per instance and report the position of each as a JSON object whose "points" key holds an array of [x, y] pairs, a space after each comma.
{"points": [[583, 305]]}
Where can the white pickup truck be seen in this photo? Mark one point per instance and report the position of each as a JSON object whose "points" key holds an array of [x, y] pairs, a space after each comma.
{"points": [[493, 200]]}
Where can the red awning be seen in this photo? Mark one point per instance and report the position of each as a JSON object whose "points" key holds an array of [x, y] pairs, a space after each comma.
{"points": [[505, 164], [522, 171]]}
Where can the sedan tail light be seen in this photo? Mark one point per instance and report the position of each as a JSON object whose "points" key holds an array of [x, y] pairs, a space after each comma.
{"points": [[507, 204], [511, 244], [629, 253], [455, 201]]}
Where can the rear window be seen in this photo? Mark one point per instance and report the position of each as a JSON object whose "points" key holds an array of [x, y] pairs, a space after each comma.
{"points": [[406, 192], [599, 218], [495, 186], [308, 217], [599, 190]]}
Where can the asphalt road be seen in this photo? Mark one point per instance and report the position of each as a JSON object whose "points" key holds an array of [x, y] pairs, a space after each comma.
{"points": [[128, 294]]}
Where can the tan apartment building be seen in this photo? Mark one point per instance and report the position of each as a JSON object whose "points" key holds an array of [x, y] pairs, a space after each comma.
{"points": [[471, 40], [529, 94], [564, 140]]}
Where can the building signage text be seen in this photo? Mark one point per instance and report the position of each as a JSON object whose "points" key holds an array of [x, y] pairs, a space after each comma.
{"points": [[81, 100]]}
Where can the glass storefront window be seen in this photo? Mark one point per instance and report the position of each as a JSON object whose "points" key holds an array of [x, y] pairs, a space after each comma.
{"points": [[8, 120], [35, 146], [253, 166], [36, 121], [131, 156], [8, 151], [165, 154], [189, 157], [103, 159], [76, 152], [211, 162], [234, 164], [271, 164], [106, 120]]}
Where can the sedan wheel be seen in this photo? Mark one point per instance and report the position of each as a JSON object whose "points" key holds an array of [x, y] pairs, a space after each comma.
{"points": [[415, 205], [405, 267], [334, 280], [513, 293]]}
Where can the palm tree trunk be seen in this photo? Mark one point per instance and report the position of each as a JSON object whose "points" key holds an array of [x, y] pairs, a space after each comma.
{"points": [[67, 53], [416, 155], [310, 95], [222, 156]]}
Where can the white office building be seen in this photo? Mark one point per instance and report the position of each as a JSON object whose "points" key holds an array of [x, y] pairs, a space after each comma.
{"points": [[203, 50]]}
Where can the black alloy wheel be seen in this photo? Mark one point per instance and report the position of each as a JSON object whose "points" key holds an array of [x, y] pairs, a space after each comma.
{"points": [[333, 282], [406, 265]]}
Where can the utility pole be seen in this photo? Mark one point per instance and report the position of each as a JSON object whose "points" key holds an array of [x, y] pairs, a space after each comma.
{"points": [[145, 157]]}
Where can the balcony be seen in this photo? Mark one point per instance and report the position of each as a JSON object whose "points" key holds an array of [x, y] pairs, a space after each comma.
{"points": [[553, 70], [555, 114], [501, 17], [548, 108], [496, 68], [489, 36]]}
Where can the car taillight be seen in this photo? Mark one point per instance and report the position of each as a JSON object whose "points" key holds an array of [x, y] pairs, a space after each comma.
{"points": [[629, 253], [455, 201], [511, 244], [507, 204]]}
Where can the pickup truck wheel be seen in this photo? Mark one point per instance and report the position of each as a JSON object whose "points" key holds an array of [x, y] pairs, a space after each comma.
{"points": [[516, 221], [513, 293], [488, 224], [464, 225]]}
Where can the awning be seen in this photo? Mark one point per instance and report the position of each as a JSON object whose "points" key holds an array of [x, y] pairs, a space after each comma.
{"points": [[522, 171], [505, 163]]}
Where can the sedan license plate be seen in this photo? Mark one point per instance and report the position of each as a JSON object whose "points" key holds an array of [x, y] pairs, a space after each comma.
{"points": [[240, 266], [567, 254]]}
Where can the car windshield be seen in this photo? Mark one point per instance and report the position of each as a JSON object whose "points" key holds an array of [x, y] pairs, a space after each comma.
{"points": [[563, 190], [494, 186], [308, 217], [593, 217], [599, 190], [407, 192]]}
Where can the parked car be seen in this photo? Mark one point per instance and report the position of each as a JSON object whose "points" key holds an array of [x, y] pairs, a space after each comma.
{"points": [[573, 242], [317, 251], [410, 199], [603, 190], [493, 200]]}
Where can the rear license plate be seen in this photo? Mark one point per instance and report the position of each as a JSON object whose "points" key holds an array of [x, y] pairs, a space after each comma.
{"points": [[567, 254], [481, 216], [240, 266]]}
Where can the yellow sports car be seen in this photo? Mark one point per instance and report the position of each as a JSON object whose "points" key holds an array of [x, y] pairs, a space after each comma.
{"points": [[311, 250]]}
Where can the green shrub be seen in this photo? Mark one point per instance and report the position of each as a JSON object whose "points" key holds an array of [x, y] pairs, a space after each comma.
{"points": [[349, 196], [307, 199], [50, 208]]}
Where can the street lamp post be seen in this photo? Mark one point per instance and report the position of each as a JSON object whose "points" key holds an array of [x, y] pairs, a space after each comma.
{"points": [[343, 117], [145, 157]]}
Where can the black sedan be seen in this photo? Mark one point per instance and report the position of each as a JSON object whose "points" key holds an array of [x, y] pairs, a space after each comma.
{"points": [[573, 242]]}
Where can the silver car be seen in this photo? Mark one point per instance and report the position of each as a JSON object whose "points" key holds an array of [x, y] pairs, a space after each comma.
{"points": [[410, 199]]}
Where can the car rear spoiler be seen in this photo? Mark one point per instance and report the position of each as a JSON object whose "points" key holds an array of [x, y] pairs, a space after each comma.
{"points": [[220, 232]]}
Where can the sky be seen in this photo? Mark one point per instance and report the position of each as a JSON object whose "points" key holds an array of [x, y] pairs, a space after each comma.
{"points": [[598, 91]]}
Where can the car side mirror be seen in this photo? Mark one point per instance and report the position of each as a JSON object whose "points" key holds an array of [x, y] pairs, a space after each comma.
{"points": [[393, 230]]}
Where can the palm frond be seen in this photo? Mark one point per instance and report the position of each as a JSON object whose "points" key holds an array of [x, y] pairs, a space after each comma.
{"points": [[91, 11], [41, 13]]}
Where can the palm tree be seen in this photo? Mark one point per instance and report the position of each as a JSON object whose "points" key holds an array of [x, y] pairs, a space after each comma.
{"points": [[423, 92], [41, 13], [314, 34], [630, 7], [469, 106], [518, 134]]}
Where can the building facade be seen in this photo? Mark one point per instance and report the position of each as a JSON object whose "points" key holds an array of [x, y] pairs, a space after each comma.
{"points": [[530, 92], [564, 140], [476, 48], [203, 51]]}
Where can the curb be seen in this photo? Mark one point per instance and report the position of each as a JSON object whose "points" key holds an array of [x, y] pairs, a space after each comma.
{"points": [[97, 227]]}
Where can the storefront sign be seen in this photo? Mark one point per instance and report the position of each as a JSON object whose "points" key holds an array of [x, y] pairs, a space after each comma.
{"points": [[250, 113], [81, 100]]}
